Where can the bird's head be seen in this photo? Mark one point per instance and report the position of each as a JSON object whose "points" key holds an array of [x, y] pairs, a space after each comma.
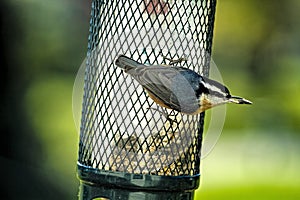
{"points": [[216, 93]]}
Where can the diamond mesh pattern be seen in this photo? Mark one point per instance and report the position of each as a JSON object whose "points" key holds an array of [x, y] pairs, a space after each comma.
{"points": [[122, 129]]}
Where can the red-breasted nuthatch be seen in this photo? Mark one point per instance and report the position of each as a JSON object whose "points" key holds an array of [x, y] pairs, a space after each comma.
{"points": [[178, 88]]}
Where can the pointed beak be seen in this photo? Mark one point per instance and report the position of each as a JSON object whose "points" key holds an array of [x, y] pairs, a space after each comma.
{"points": [[239, 100]]}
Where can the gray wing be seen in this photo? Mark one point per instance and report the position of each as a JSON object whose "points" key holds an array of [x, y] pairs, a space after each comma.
{"points": [[168, 85]]}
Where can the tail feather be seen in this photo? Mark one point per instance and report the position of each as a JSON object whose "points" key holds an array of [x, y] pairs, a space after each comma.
{"points": [[126, 63]]}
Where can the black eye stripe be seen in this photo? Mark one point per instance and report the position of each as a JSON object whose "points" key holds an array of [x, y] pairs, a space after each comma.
{"points": [[214, 88]]}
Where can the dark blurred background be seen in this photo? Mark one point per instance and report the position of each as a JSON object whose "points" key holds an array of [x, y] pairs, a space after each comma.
{"points": [[256, 48], [43, 44]]}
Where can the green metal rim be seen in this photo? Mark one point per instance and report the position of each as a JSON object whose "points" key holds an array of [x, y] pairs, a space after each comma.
{"points": [[94, 176]]}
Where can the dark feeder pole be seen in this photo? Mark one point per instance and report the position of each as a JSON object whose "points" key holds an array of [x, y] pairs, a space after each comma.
{"points": [[128, 148]]}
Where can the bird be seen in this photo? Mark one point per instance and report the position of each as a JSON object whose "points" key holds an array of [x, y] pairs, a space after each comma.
{"points": [[178, 88]]}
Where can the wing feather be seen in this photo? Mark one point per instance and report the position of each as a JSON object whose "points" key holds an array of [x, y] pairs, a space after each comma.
{"points": [[168, 85]]}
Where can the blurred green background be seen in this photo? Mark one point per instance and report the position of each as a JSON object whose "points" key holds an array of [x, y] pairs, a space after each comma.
{"points": [[256, 48]]}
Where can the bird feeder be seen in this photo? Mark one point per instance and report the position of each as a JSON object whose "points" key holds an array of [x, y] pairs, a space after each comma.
{"points": [[131, 148]]}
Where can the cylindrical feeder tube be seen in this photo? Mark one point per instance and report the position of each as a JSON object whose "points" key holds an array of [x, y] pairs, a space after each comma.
{"points": [[128, 148]]}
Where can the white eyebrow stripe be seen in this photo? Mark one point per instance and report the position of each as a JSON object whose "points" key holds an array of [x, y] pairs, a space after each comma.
{"points": [[213, 88]]}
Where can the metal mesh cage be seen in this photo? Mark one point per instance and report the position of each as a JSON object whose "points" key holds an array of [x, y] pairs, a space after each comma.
{"points": [[122, 129]]}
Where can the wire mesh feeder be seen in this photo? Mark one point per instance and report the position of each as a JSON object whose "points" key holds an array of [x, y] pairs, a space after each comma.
{"points": [[122, 129]]}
